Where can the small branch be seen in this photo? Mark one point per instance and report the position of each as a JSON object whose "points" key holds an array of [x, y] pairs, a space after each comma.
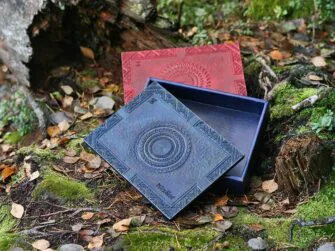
{"points": [[267, 67], [311, 100]]}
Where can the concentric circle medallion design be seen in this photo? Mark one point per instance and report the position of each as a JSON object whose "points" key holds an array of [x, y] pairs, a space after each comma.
{"points": [[163, 148]]}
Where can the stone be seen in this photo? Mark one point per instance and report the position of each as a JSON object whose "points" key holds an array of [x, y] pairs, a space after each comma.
{"points": [[327, 247], [105, 103], [257, 244], [71, 247]]}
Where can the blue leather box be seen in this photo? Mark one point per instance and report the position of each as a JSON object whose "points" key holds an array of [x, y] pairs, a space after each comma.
{"points": [[241, 120]]}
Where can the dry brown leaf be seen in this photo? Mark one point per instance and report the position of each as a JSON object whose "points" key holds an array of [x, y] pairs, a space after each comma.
{"points": [[70, 152], [41, 244], [276, 55], [17, 210], [67, 89], [27, 168], [87, 215], [256, 227], [6, 148], [77, 227], [220, 202], [7, 172], [122, 225], [217, 217], [53, 131], [314, 77], [96, 242], [319, 61], [70, 160], [67, 101], [291, 211], [265, 207], [86, 156], [87, 52], [269, 186], [94, 163], [86, 116], [63, 126]]}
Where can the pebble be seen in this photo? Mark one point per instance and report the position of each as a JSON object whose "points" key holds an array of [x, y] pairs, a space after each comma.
{"points": [[257, 244], [327, 247], [71, 247]]}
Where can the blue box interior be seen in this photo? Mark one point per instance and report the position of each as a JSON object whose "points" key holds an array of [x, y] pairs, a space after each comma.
{"points": [[241, 120]]}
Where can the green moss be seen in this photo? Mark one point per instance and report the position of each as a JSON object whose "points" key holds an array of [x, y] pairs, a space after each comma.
{"points": [[278, 9], [146, 239], [76, 144], [7, 222], [252, 68], [285, 97], [62, 187], [41, 154], [12, 137], [236, 243]]}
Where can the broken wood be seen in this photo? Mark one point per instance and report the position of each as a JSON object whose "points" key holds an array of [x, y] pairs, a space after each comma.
{"points": [[301, 163]]}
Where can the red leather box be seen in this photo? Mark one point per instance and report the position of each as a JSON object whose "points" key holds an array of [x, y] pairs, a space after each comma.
{"points": [[217, 67]]}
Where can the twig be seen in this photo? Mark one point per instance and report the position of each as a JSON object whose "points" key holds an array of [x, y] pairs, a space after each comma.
{"points": [[316, 223], [311, 100], [262, 61]]}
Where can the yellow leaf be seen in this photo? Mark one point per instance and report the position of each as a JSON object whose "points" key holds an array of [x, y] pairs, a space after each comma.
{"points": [[222, 201], [87, 215], [87, 52]]}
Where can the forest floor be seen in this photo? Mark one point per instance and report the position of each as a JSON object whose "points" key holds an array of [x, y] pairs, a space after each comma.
{"points": [[55, 191]]}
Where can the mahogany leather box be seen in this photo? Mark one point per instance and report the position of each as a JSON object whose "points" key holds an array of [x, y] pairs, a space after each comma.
{"points": [[241, 120]]}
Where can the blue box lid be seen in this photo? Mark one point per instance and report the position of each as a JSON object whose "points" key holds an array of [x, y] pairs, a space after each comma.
{"points": [[163, 149]]}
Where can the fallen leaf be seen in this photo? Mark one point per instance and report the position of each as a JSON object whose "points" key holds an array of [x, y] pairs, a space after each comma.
{"points": [[94, 163], [86, 116], [86, 156], [86, 232], [96, 242], [276, 55], [53, 131], [269, 186], [265, 207], [70, 160], [319, 61], [77, 227], [262, 197], [70, 152], [314, 77], [34, 175], [17, 211], [87, 52], [122, 226], [67, 89], [224, 225], [7, 172], [104, 103], [217, 217], [87, 215], [63, 126], [256, 227], [67, 101], [291, 211], [222, 201], [41, 244], [229, 212], [27, 168], [6, 148]]}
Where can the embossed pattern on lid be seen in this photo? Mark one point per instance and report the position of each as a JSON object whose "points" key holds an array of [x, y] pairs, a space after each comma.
{"points": [[162, 148]]}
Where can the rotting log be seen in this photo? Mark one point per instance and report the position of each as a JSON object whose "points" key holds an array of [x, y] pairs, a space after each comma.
{"points": [[302, 162]]}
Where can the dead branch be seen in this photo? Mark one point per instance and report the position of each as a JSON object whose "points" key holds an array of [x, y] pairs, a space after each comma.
{"points": [[312, 99]]}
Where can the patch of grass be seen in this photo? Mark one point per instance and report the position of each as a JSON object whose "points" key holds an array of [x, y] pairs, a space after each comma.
{"points": [[163, 238], [63, 188], [285, 97]]}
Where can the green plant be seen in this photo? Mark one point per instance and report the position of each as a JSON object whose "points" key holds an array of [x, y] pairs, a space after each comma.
{"points": [[16, 112], [325, 122]]}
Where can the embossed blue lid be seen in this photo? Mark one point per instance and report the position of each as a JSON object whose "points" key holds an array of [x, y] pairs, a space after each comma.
{"points": [[163, 149]]}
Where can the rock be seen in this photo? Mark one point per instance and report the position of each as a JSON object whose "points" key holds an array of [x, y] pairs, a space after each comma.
{"points": [[105, 103], [301, 163], [257, 244], [16, 249], [71, 247], [327, 247], [59, 117]]}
